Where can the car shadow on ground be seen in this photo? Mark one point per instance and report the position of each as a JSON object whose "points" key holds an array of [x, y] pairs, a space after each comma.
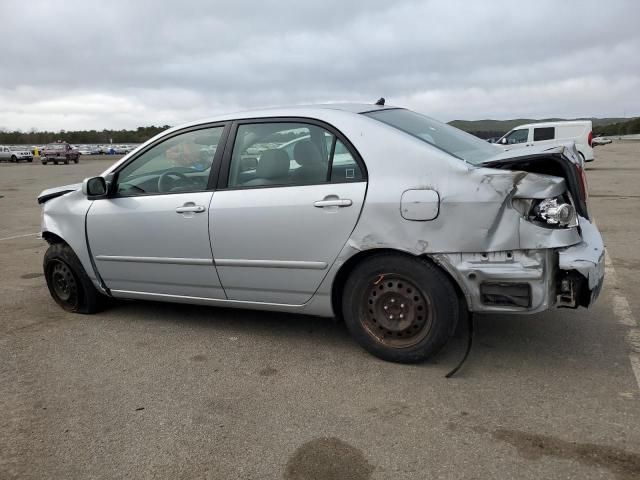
{"points": [[503, 341]]}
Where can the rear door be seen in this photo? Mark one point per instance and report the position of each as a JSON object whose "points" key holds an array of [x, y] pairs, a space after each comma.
{"points": [[276, 228]]}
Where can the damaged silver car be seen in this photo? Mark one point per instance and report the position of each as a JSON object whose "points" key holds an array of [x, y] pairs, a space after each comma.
{"points": [[397, 223]]}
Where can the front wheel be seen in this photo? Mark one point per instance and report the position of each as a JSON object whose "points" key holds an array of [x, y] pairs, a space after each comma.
{"points": [[400, 308], [68, 283], [14, 159]]}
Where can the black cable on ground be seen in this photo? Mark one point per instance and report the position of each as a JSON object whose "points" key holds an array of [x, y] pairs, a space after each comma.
{"points": [[469, 343]]}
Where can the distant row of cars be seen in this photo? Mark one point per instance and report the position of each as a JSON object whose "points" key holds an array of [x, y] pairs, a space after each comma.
{"points": [[105, 149], [59, 152]]}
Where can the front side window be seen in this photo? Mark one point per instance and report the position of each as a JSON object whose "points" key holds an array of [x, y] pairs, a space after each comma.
{"points": [[179, 164], [517, 136], [288, 153]]}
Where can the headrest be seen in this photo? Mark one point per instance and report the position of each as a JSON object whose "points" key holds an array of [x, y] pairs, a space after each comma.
{"points": [[306, 153], [273, 163]]}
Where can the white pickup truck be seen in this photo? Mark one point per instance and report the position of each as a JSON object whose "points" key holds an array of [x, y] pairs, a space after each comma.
{"points": [[15, 154]]}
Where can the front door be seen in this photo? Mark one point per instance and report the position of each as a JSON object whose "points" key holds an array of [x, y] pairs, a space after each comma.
{"points": [[517, 138], [151, 235], [285, 210]]}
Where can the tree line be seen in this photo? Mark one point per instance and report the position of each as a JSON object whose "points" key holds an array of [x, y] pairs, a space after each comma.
{"points": [[139, 135], [630, 127]]}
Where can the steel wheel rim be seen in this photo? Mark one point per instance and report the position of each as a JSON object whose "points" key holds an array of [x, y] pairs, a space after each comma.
{"points": [[64, 283], [395, 312]]}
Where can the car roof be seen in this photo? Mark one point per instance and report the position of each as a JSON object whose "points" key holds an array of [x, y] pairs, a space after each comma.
{"points": [[555, 124], [293, 111]]}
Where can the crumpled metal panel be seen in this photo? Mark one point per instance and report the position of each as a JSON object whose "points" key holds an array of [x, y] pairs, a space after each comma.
{"points": [[587, 257], [65, 217]]}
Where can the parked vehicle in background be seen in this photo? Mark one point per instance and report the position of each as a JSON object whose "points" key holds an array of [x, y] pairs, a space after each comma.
{"points": [[59, 152], [601, 141], [15, 154], [84, 150], [552, 133], [398, 223]]}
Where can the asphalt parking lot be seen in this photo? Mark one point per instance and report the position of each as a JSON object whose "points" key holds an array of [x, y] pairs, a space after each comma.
{"points": [[152, 390]]}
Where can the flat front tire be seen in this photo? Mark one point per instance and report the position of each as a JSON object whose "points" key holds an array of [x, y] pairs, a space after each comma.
{"points": [[68, 283], [400, 308]]}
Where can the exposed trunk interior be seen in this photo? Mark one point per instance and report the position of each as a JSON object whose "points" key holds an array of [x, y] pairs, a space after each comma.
{"points": [[554, 164]]}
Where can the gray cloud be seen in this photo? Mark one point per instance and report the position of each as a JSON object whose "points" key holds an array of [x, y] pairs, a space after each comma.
{"points": [[121, 64]]}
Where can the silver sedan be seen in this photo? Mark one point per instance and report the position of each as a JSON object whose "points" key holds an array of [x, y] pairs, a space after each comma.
{"points": [[396, 223]]}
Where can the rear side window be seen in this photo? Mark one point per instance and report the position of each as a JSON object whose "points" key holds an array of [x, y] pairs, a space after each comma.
{"points": [[288, 154], [544, 133]]}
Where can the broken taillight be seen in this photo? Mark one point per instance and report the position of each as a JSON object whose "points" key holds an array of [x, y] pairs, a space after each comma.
{"points": [[584, 190]]}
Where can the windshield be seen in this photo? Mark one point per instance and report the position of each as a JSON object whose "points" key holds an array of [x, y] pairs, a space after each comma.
{"points": [[56, 146], [445, 137]]}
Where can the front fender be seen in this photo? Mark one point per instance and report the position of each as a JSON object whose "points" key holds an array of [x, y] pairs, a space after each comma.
{"points": [[65, 217]]}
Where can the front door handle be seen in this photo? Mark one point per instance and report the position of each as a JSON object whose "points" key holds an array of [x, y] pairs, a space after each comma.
{"points": [[338, 202], [190, 207]]}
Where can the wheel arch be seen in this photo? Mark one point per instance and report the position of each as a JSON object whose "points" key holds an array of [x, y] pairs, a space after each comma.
{"points": [[52, 238], [345, 270]]}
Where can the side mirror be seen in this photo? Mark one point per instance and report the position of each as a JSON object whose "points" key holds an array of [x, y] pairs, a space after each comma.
{"points": [[503, 141], [95, 187]]}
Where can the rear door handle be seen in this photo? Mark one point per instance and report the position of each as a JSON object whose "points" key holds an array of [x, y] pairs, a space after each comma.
{"points": [[190, 208], [338, 202]]}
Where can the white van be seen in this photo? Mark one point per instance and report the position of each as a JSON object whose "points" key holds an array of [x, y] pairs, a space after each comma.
{"points": [[552, 133]]}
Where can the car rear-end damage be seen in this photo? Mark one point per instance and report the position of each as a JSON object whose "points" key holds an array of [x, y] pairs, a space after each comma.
{"points": [[513, 232]]}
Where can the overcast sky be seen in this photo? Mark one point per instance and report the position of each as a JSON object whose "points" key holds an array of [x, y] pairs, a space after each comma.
{"points": [[121, 64]]}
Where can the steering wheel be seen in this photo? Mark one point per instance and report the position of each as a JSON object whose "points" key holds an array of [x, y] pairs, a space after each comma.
{"points": [[165, 182]]}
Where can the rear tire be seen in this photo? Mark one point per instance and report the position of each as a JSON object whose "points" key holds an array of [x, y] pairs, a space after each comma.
{"points": [[66, 160], [400, 308], [68, 283]]}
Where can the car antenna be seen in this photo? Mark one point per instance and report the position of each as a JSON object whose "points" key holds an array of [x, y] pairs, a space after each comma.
{"points": [[469, 343], [380, 102]]}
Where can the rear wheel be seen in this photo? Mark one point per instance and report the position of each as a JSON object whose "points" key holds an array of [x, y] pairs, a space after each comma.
{"points": [[400, 308], [68, 283], [66, 160]]}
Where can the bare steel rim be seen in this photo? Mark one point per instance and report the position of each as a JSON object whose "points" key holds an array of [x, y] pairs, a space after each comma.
{"points": [[395, 311], [63, 283]]}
